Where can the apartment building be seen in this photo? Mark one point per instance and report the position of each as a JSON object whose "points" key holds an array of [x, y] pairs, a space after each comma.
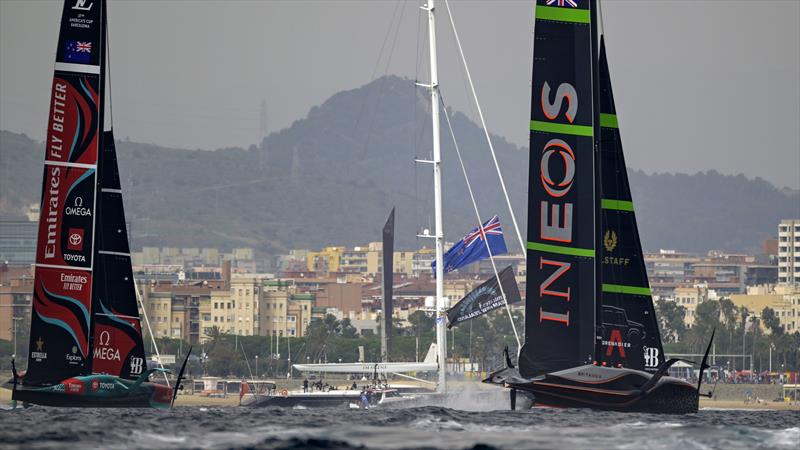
{"points": [[245, 293], [16, 293], [689, 297], [783, 299], [365, 260], [324, 261], [789, 252], [285, 312]]}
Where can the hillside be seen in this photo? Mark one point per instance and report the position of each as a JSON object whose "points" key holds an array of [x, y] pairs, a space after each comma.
{"points": [[332, 177]]}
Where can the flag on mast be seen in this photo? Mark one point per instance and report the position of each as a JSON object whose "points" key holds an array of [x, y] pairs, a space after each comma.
{"points": [[473, 247]]}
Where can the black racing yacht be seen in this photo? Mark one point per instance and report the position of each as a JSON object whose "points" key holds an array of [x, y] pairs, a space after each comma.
{"points": [[591, 334], [86, 346]]}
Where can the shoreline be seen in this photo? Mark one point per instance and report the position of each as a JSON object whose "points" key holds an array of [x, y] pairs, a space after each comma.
{"points": [[233, 401]]}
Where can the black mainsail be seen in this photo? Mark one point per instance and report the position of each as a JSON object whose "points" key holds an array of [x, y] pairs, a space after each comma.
{"points": [[626, 321], [60, 344], [118, 347], [561, 194]]}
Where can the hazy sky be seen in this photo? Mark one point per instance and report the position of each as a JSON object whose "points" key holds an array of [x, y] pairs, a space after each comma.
{"points": [[699, 84]]}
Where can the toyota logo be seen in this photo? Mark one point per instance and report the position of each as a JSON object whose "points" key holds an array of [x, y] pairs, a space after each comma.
{"points": [[75, 239]]}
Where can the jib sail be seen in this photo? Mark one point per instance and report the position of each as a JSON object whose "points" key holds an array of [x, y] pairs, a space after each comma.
{"points": [[627, 326], [117, 346], [63, 275], [561, 192]]}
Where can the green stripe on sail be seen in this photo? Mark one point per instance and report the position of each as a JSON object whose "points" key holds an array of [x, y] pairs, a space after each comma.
{"points": [[585, 252], [561, 128], [562, 14], [622, 289], [608, 120], [618, 205]]}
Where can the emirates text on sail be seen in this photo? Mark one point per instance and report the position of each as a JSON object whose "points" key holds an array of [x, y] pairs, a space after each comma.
{"points": [[52, 212]]}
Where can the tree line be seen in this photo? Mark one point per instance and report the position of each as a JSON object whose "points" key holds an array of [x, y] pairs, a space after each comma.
{"points": [[738, 332]]}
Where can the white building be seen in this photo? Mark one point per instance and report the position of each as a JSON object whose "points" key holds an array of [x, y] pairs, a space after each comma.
{"points": [[789, 252]]}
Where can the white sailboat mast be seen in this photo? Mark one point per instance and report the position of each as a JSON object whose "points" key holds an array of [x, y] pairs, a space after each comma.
{"points": [[441, 335]]}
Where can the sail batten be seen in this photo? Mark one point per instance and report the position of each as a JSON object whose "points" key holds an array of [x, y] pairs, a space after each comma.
{"points": [[619, 205], [561, 250], [561, 128]]}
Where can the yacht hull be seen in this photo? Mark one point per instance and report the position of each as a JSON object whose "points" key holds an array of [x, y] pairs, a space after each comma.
{"points": [[96, 391], [605, 388]]}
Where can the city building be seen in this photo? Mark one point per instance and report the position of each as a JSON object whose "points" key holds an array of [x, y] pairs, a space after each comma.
{"points": [[421, 261], [346, 297], [220, 316], [245, 294], [18, 242], [789, 252], [191, 257], [689, 297], [365, 260], [783, 299], [668, 269], [176, 310], [324, 261], [16, 288], [285, 312]]}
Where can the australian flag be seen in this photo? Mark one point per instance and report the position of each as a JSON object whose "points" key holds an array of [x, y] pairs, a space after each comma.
{"points": [[78, 52], [473, 247]]}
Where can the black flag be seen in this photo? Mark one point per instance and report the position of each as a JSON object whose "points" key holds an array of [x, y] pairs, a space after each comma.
{"points": [[484, 298]]}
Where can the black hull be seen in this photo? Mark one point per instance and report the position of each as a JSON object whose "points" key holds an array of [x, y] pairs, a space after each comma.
{"points": [[603, 388], [140, 400], [96, 391], [666, 399]]}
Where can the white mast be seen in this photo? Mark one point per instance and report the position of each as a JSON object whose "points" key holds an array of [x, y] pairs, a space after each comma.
{"points": [[441, 335]]}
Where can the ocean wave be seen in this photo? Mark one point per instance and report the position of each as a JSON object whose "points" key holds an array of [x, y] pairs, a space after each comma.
{"points": [[428, 427]]}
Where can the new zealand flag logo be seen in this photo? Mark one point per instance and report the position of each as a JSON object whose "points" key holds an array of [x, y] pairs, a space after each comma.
{"points": [[78, 52]]}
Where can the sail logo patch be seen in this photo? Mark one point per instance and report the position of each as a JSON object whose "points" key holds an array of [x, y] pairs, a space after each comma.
{"points": [[74, 358], [78, 209], [75, 241], [570, 3], [103, 350], [650, 356], [610, 240], [615, 341], [136, 365], [73, 386], [78, 52], [610, 243], [39, 355], [81, 5], [73, 282]]}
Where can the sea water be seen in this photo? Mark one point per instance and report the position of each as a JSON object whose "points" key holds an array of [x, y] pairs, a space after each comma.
{"points": [[425, 427]]}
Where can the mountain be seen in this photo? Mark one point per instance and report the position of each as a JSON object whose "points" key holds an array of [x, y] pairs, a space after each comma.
{"points": [[332, 177]]}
